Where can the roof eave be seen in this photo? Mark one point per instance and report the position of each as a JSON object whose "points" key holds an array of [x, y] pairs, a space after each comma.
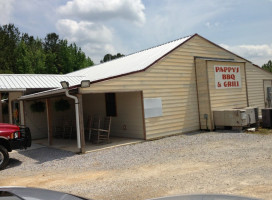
{"points": [[43, 94], [13, 90]]}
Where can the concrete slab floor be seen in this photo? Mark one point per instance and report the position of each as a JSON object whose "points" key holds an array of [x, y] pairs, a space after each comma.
{"points": [[71, 144]]}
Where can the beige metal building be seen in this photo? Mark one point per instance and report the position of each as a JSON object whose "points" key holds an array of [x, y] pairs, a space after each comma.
{"points": [[165, 90]]}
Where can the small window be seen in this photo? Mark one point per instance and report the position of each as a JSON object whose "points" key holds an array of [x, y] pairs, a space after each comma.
{"points": [[110, 104]]}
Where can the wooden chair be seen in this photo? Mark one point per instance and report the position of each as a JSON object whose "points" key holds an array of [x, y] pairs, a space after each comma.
{"points": [[67, 129], [93, 126], [64, 129], [58, 130], [100, 132], [104, 131]]}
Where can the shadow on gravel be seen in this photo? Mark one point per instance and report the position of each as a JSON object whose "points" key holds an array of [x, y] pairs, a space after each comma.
{"points": [[218, 131], [194, 133], [46, 154], [13, 163], [227, 131]]}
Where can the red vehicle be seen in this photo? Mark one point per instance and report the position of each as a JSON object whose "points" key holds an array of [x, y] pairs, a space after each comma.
{"points": [[12, 137]]}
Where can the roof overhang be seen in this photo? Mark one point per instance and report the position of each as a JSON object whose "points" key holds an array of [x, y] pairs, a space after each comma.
{"points": [[44, 94], [12, 90], [88, 91]]}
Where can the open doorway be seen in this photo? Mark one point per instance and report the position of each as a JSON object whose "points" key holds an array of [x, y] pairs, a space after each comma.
{"points": [[267, 93], [4, 118], [15, 112]]}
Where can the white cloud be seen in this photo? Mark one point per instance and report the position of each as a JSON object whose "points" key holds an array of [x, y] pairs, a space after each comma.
{"points": [[258, 54], [84, 31], [84, 22], [211, 25], [87, 10], [6, 8], [94, 39]]}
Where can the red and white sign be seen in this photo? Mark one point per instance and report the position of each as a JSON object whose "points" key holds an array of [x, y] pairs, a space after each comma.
{"points": [[227, 77]]}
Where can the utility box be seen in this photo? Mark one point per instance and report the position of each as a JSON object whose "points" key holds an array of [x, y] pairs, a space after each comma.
{"points": [[256, 110], [252, 116], [236, 117], [267, 117], [230, 117]]}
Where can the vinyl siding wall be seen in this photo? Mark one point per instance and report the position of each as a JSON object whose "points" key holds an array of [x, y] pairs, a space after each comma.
{"points": [[173, 80], [129, 119], [93, 104], [255, 84]]}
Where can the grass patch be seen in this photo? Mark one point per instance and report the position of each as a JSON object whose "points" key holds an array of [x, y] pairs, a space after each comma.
{"points": [[262, 131]]}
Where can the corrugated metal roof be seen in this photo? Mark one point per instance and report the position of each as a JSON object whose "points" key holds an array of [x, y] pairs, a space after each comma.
{"points": [[128, 64], [23, 81], [125, 65]]}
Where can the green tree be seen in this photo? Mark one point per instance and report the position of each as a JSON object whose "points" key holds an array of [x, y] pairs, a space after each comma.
{"points": [[38, 58], [63, 58], [79, 58], [51, 42], [109, 57], [50, 63], [22, 53], [23, 59], [36, 54], [50, 46], [268, 66], [9, 39]]}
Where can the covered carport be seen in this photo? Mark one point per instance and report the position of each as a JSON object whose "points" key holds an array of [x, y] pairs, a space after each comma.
{"points": [[13, 86], [127, 121]]}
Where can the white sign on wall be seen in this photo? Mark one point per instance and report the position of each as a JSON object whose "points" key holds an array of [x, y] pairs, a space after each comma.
{"points": [[152, 107], [227, 77]]}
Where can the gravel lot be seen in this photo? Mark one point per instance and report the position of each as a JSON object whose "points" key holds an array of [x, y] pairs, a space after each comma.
{"points": [[213, 162]]}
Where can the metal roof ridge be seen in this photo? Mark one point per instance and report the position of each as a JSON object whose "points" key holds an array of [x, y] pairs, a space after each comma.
{"points": [[189, 36], [159, 45]]}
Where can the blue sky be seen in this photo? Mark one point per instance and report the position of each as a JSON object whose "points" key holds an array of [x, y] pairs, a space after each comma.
{"points": [[126, 26]]}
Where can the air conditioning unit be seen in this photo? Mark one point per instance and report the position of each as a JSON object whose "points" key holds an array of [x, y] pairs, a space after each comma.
{"points": [[267, 117], [230, 117], [240, 117], [251, 115]]}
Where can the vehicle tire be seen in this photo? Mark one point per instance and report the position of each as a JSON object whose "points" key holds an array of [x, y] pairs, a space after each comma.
{"points": [[4, 157]]}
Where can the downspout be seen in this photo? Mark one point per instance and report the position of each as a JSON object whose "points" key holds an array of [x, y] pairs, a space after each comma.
{"points": [[77, 117]]}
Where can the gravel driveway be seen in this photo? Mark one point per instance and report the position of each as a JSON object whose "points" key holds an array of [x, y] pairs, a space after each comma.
{"points": [[213, 162]]}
